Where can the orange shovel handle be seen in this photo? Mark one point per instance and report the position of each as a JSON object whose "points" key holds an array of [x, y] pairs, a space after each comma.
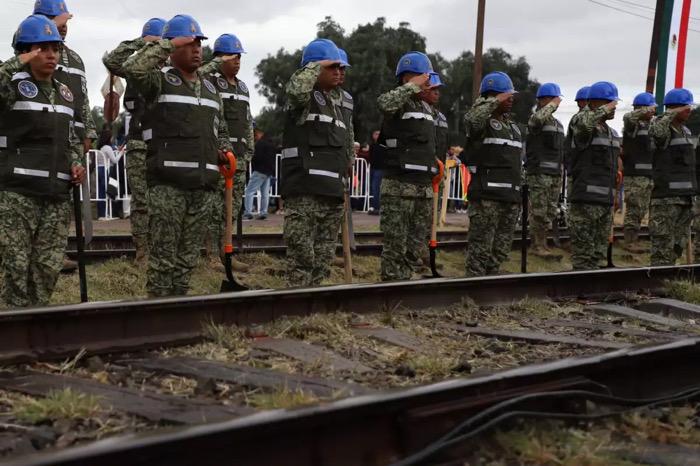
{"points": [[229, 172], [438, 178]]}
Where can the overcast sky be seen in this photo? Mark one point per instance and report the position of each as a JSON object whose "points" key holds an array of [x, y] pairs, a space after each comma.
{"points": [[570, 42]]}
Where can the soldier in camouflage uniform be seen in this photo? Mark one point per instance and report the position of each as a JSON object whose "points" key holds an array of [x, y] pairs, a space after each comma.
{"points": [[593, 167], [315, 165], [408, 130], [545, 152], [223, 72], [636, 155], [674, 178], [187, 136], [40, 156], [135, 147], [493, 148]]}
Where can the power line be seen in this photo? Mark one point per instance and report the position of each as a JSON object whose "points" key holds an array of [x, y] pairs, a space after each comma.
{"points": [[647, 7], [631, 13]]}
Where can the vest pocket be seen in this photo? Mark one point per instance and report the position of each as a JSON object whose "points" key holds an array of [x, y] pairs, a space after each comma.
{"points": [[28, 167], [417, 130], [601, 157], [417, 160], [178, 159], [326, 170]]}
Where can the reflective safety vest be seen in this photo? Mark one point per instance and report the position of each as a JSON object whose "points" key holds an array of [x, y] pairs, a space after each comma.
{"points": [[545, 149], [71, 72], [637, 151], [236, 100], [134, 105], [410, 142], [348, 106], [181, 132], [35, 147], [593, 168], [674, 167], [495, 162], [314, 158], [442, 135]]}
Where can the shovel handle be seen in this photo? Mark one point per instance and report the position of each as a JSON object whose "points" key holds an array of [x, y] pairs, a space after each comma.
{"points": [[228, 175], [438, 178], [229, 172]]}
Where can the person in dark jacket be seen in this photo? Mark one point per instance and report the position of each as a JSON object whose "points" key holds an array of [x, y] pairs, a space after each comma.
{"points": [[377, 165], [264, 168]]}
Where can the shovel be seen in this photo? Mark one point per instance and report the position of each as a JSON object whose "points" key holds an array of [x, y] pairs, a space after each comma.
{"points": [[231, 284], [80, 240], [433, 228]]}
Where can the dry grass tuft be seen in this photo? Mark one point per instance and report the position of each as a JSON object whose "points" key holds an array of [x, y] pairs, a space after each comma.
{"points": [[58, 404]]}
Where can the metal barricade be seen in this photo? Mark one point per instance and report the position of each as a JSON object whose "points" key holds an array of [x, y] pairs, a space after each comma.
{"points": [[94, 177], [360, 182]]}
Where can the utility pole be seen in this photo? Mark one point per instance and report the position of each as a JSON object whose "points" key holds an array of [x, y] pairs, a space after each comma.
{"points": [[654, 49], [479, 50]]}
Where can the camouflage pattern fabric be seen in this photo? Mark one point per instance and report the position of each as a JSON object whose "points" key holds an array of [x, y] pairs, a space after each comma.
{"points": [[542, 117], [476, 118], [637, 197], [406, 217], [491, 225], [33, 235], [311, 225], [544, 200], [668, 227], [177, 217], [696, 229], [216, 226], [136, 173], [590, 234]]}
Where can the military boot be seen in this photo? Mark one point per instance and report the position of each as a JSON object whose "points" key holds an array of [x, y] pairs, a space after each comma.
{"points": [[635, 246], [539, 249], [425, 258], [68, 266], [214, 263], [238, 266], [338, 261]]}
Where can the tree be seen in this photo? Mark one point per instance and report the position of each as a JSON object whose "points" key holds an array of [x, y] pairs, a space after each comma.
{"points": [[207, 54]]}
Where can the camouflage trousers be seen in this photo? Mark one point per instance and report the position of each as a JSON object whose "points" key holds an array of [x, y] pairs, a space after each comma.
{"points": [[544, 200], [590, 226], [696, 229], [33, 234], [177, 218], [637, 198], [668, 228], [216, 226], [405, 223], [491, 225], [136, 171], [311, 225]]}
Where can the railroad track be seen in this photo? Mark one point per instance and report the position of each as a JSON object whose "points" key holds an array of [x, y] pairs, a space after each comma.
{"points": [[106, 247], [384, 426]]}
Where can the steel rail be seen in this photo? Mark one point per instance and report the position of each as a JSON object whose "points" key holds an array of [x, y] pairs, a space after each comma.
{"points": [[59, 332], [379, 429]]}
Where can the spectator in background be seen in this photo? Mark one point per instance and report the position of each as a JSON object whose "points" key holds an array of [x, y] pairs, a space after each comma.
{"points": [[263, 166], [103, 163], [357, 203], [377, 164]]}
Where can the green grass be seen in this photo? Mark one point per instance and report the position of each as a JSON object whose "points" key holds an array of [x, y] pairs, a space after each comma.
{"points": [[684, 291], [59, 404]]}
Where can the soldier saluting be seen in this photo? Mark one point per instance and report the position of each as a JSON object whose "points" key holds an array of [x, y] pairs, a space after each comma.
{"points": [[40, 159]]}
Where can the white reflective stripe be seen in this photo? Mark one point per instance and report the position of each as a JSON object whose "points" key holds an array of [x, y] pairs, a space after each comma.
{"points": [[392, 143], [243, 140], [79, 124], [70, 70], [598, 189], [210, 103], [21, 75], [129, 104], [443, 124], [319, 117], [228, 95], [63, 176], [290, 153], [553, 129], [28, 172], [421, 168], [113, 182], [170, 163], [147, 135], [165, 69], [3, 142], [549, 165], [680, 142], [348, 105], [187, 100], [324, 173], [210, 166], [503, 142], [643, 132], [616, 143], [472, 169], [417, 115], [500, 185], [341, 124], [37, 107], [602, 142], [643, 166], [680, 185]]}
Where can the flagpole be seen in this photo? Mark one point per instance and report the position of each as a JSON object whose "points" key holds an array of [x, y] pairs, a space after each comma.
{"points": [[655, 42]]}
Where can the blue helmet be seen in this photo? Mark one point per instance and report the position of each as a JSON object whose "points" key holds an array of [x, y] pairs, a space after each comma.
{"points": [[37, 29], [679, 96], [644, 98], [319, 50], [415, 62], [154, 27], [435, 80], [50, 7], [228, 44], [497, 81], [549, 90], [582, 93], [182, 26], [603, 90], [343, 58]]}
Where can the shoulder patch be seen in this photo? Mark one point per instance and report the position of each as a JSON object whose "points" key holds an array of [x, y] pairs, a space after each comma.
{"points": [[411, 103], [210, 87], [687, 131], [222, 83], [28, 89], [495, 124], [75, 56], [442, 116], [319, 98], [515, 128], [66, 93], [172, 79], [427, 107], [347, 95], [242, 85]]}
